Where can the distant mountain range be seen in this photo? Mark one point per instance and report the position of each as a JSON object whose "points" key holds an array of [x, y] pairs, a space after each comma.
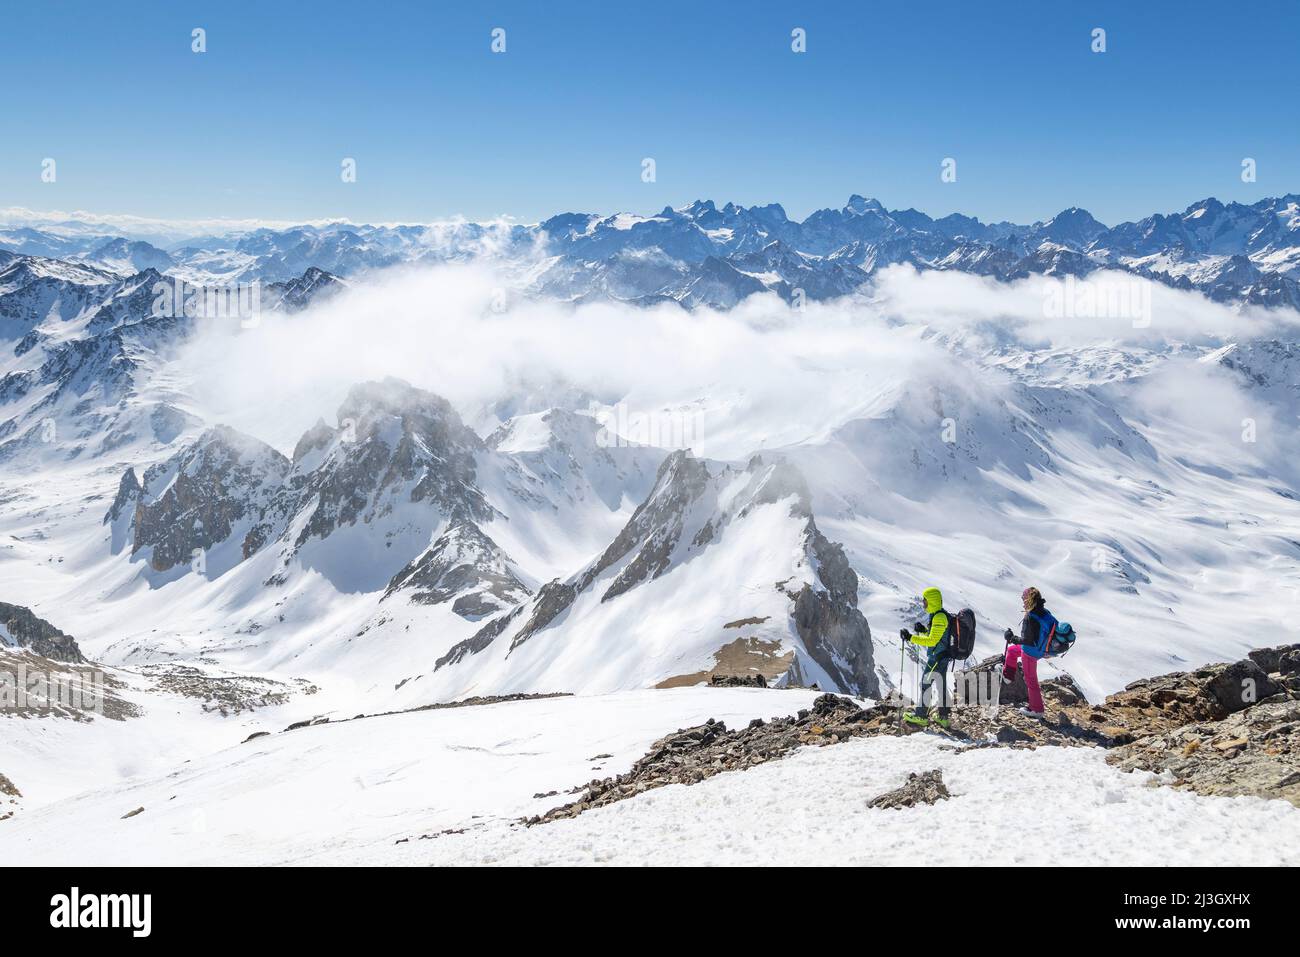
{"points": [[706, 255]]}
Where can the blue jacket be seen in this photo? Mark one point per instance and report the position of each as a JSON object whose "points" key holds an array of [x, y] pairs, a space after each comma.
{"points": [[1036, 630]]}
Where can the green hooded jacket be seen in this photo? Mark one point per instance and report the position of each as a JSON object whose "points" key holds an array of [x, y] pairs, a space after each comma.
{"points": [[938, 619]]}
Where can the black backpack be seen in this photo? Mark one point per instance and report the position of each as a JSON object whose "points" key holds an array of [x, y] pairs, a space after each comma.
{"points": [[961, 635]]}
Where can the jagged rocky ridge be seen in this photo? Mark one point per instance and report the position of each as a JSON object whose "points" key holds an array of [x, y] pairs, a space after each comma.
{"points": [[223, 483], [402, 468], [400, 462], [702, 254]]}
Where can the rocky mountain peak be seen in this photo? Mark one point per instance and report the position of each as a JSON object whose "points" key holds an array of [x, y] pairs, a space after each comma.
{"points": [[202, 497], [319, 436], [463, 566], [371, 409], [394, 437], [857, 205], [775, 479]]}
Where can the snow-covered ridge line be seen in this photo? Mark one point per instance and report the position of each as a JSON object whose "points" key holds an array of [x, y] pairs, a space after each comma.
{"points": [[703, 254]]}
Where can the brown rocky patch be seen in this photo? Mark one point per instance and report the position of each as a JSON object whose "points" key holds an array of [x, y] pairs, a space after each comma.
{"points": [[743, 658], [226, 693], [60, 689], [9, 798], [742, 622]]}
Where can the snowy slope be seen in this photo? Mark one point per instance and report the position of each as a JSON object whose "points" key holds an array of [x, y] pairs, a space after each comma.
{"points": [[811, 809], [338, 788], [347, 793]]}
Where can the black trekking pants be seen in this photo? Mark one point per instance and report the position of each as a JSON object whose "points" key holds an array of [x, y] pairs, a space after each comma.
{"points": [[936, 670]]}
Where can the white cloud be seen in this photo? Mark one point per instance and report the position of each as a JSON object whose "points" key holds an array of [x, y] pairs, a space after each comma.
{"points": [[760, 375]]}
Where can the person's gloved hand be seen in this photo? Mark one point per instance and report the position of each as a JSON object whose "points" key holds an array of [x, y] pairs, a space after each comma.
{"points": [[918, 628], [1009, 636], [902, 633]]}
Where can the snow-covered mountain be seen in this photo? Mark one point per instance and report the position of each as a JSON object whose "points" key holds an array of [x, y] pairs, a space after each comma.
{"points": [[407, 508], [727, 563], [86, 349]]}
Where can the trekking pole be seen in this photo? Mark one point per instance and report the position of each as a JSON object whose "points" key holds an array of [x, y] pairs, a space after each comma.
{"points": [[902, 653]]}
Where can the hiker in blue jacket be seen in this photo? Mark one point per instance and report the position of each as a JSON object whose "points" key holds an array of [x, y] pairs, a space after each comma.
{"points": [[1036, 631]]}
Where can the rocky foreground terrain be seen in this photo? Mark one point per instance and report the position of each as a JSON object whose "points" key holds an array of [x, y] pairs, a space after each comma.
{"points": [[1224, 729]]}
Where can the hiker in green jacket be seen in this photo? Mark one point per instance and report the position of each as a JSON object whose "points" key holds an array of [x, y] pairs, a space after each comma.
{"points": [[933, 636]]}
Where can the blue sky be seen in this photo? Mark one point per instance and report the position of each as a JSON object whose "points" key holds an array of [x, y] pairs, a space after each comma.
{"points": [[439, 125]]}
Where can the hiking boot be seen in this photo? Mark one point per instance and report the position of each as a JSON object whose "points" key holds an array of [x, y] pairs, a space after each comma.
{"points": [[1029, 714], [916, 717]]}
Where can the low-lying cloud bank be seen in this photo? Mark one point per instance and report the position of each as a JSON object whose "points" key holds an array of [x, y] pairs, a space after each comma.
{"points": [[762, 374]]}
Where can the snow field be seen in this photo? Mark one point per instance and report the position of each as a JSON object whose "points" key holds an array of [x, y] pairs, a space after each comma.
{"points": [[1050, 806]]}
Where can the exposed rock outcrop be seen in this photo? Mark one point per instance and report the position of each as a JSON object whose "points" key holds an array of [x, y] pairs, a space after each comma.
{"points": [[9, 798], [924, 788], [20, 627], [737, 681], [463, 566], [222, 484], [128, 494], [971, 684], [833, 630], [1254, 751]]}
